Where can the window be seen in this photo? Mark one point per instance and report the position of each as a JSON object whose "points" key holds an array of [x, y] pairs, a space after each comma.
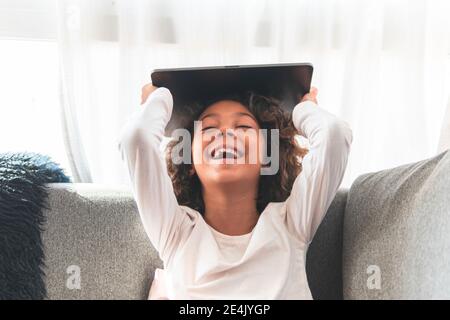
{"points": [[30, 116]]}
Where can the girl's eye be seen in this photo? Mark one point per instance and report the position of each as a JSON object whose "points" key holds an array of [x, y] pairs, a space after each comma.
{"points": [[207, 128], [244, 127]]}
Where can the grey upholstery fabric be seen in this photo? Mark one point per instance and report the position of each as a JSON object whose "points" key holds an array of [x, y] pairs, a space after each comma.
{"points": [[324, 256], [97, 229], [398, 220]]}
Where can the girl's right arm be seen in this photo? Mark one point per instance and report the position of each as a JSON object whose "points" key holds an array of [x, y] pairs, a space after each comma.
{"points": [[139, 144]]}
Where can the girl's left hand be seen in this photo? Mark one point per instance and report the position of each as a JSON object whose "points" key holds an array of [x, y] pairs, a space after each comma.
{"points": [[311, 96]]}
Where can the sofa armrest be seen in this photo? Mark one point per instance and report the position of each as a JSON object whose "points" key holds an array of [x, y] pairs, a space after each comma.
{"points": [[396, 233]]}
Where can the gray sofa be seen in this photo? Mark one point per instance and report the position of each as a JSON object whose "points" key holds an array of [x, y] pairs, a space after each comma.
{"points": [[387, 237]]}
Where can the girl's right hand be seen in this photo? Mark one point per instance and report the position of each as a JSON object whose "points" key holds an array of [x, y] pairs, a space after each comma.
{"points": [[146, 91]]}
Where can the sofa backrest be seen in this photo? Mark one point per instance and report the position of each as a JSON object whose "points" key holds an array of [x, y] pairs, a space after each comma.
{"points": [[387, 238], [324, 256], [397, 233], [95, 232]]}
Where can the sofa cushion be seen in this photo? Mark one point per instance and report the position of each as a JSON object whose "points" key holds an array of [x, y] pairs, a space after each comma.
{"points": [[397, 233], [95, 232]]}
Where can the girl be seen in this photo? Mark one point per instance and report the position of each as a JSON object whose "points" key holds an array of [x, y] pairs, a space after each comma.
{"points": [[224, 231]]}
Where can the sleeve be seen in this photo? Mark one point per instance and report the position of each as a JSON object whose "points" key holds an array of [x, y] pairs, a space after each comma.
{"points": [[323, 168], [139, 145]]}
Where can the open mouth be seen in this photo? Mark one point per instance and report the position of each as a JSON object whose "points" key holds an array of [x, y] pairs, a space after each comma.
{"points": [[226, 153]]}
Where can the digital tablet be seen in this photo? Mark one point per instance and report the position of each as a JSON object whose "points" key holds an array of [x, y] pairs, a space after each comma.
{"points": [[285, 82]]}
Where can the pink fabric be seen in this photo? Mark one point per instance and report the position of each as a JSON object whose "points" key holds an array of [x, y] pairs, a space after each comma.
{"points": [[158, 289]]}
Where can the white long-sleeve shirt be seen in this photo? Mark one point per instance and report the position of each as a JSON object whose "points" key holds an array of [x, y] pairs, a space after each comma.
{"points": [[202, 263]]}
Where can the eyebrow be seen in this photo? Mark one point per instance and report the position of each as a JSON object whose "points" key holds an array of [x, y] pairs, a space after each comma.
{"points": [[215, 115]]}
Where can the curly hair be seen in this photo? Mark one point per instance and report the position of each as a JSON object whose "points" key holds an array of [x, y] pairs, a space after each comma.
{"points": [[271, 188]]}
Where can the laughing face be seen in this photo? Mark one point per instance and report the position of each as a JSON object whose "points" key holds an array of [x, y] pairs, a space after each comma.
{"points": [[227, 144]]}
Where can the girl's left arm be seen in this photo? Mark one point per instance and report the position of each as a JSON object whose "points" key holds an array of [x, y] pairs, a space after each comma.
{"points": [[323, 168]]}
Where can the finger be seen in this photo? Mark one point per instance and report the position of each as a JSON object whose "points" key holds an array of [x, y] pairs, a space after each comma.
{"points": [[146, 91], [144, 96], [312, 95], [309, 97]]}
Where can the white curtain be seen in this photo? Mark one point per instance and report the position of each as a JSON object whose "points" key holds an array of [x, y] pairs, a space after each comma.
{"points": [[444, 140], [380, 65]]}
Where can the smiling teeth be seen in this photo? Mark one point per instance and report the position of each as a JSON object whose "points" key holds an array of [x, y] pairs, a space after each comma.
{"points": [[219, 153]]}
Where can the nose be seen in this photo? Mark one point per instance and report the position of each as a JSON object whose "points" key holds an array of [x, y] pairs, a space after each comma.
{"points": [[229, 132]]}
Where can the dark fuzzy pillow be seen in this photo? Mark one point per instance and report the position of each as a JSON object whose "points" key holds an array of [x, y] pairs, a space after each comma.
{"points": [[23, 196]]}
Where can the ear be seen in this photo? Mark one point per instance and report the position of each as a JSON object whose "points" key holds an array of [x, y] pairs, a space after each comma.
{"points": [[192, 171]]}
